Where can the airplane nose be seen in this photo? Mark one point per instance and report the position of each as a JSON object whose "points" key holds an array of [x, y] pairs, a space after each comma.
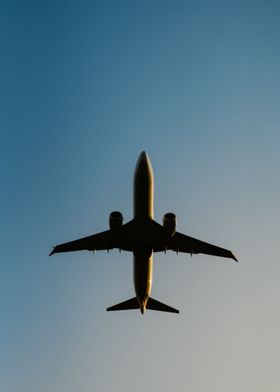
{"points": [[143, 161], [143, 156]]}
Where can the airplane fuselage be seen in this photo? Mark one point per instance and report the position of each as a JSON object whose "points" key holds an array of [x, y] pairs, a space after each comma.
{"points": [[143, 198], [143, 236]]}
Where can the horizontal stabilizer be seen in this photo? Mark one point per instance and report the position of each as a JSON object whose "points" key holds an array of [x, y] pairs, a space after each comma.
{"points": [[126, 305], [152, 304]]}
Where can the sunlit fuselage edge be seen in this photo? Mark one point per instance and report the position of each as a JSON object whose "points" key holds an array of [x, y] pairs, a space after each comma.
{"points": [[143, 198]]}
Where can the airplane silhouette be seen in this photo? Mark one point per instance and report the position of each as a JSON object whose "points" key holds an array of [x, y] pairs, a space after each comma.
{"points": [[143, 236]]}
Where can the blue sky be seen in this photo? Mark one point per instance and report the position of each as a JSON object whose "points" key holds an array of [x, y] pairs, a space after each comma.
{"points": [[85, 87]]}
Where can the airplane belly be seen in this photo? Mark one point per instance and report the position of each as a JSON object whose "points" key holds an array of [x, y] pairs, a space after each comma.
{"points": [[143, 276]]}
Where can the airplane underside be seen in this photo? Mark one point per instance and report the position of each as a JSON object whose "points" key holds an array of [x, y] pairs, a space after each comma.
{"points": [[143, 236]]}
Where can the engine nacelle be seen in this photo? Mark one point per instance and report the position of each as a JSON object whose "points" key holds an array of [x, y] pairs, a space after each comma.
{"points": [[115, 221], [169, 223]]}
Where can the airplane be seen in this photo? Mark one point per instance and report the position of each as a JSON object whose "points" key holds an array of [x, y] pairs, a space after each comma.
{"points": [[143, 236]]}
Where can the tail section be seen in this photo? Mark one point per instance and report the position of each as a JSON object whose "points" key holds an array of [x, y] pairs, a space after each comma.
{"points": [[153, 304], [131, 303]]}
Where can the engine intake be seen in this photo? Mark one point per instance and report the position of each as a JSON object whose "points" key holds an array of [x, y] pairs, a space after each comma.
{"points": [[169, 223], [115, 221]]}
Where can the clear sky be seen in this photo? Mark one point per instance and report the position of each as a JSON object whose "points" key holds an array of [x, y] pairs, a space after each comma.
{"points": [[85, 87]]}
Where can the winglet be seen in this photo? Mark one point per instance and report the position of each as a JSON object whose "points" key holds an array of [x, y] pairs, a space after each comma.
{"points": [[53, 251], [233, 257]]}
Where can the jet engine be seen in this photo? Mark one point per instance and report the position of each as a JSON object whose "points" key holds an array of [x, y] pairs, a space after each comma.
{"points": [[115, 221], [169, 223]]}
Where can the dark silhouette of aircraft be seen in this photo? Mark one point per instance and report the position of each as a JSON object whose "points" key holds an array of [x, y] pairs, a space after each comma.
{"points": [[143, 236]]}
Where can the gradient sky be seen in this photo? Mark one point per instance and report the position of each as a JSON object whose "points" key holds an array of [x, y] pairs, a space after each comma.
{"points": [[85, 87]]}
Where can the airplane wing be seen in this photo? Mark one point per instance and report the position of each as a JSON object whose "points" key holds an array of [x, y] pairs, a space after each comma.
{"points": [[100, 241], [105, 240], [129, 237], [182, 243]]}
